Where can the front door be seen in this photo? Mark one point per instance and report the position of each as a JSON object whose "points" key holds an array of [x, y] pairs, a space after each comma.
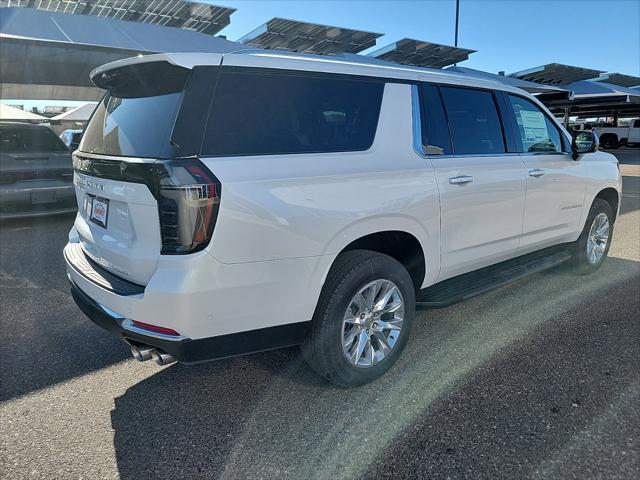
{"points": [[555, 182]]}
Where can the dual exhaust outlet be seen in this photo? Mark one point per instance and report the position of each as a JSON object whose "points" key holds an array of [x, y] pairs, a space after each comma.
{"points": [[142, 353]]}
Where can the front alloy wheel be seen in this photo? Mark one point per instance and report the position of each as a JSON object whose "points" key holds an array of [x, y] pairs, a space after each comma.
{"points": [[590, 250], [598, 238]]}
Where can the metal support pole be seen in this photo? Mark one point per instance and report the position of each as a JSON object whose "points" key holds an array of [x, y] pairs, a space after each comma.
{"points": [[567, 111], [457, 18]]}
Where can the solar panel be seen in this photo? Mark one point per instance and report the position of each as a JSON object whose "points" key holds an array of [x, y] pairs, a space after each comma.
{"points": [[619, 79], [200, 17], [422, 54], [556, 74], [294, 36]]}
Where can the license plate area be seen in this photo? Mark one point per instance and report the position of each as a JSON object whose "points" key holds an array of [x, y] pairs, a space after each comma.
{"points": [[46, 196], [98, 210]]}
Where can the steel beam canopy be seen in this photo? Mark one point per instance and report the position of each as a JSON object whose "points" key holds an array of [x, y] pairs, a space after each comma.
{"points": [[556, 74], [196, 16], [422, 54], [294, 36]]}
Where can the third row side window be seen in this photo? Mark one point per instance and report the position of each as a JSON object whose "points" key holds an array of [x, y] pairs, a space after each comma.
{"points": [[267, 114]]}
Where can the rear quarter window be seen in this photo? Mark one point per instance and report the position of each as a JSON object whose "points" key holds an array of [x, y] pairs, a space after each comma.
{"points": [[261, 114]]}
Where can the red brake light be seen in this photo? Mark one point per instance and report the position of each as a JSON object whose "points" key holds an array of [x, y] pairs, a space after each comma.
{"points": [[156, 329]]}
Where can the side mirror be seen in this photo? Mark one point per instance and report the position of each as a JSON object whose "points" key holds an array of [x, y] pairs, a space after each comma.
{"points": [[584, 142]]}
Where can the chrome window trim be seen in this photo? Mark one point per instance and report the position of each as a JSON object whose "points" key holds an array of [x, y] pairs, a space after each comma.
{"points": [[534, 154]]}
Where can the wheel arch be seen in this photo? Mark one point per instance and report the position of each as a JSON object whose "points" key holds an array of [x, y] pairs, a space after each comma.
{"points": [[611, 196], [399, 245]]}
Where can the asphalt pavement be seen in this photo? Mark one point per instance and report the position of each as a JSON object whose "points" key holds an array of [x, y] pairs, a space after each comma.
{"points": [[540, 379]]}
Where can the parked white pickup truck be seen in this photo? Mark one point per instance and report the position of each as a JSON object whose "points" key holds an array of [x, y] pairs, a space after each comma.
{"points": [[613, 137]]}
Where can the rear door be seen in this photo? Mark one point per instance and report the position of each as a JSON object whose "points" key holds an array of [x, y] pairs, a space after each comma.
{"points": [[481, 183], [555, 182]]}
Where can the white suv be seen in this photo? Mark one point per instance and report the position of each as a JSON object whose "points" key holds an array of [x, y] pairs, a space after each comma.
{"points": [[232, 204]]}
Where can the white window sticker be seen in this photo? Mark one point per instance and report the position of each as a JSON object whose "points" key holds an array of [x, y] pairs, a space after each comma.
{"points": [[534, 126]]}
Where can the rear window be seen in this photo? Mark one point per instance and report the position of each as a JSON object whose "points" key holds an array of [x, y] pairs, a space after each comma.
{"points": [[26, 139], [254, 114], [136, 116], [139, 127]]}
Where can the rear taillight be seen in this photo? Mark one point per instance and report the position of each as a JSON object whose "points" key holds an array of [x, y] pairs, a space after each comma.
{"points": [[188, 197]]}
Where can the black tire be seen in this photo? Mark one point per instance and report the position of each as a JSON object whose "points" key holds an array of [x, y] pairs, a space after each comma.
{"points": [[352, 271], [609, 140], [580, 260]]}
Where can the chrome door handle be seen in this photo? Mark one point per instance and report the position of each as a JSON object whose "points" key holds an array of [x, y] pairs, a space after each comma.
{"points": [[537, 172], [460, 179]]}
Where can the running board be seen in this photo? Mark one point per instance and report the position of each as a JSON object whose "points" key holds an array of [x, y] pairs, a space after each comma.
{"points": [[472, 284]]}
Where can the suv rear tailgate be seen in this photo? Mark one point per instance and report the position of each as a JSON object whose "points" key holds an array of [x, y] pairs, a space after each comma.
{"points": [[128, 242]]}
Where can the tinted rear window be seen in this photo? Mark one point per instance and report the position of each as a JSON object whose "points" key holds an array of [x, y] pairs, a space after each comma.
{"points": [[19, 139], [138, 127], [473, 121], [256, 114], [137, 115], [435, 133]]}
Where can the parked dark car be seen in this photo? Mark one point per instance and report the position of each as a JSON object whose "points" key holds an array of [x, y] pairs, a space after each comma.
{"points": [[36, 172]]}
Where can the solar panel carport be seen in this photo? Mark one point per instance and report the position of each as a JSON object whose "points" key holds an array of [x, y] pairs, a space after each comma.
{"points": [[598, 99], [422, 54], [619, 79], [545, 93], [295, 36], [48, 55], [196, 16], [556, 74]]}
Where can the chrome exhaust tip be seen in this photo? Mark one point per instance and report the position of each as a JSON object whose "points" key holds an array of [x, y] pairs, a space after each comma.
{"points": [[162, 358], [141, 353]]}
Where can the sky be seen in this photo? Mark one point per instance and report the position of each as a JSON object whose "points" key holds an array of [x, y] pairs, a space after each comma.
{"points": [[509, 35]]}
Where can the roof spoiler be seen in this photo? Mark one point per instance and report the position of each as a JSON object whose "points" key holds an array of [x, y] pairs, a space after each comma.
{"points": [[101, 75]]}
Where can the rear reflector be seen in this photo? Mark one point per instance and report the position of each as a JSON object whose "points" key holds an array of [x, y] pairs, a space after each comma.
{"points": [[156, 329]]}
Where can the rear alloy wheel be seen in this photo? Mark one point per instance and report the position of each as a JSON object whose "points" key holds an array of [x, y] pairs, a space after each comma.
{"points": [[363, 318], [592, 247], [372, 323]]}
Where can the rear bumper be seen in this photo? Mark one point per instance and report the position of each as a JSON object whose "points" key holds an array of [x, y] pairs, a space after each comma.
{"points": [[186, 350]]}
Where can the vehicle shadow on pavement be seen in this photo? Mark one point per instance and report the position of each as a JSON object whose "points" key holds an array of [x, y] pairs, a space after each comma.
{"points": [[528, 380], [44, 338]]}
